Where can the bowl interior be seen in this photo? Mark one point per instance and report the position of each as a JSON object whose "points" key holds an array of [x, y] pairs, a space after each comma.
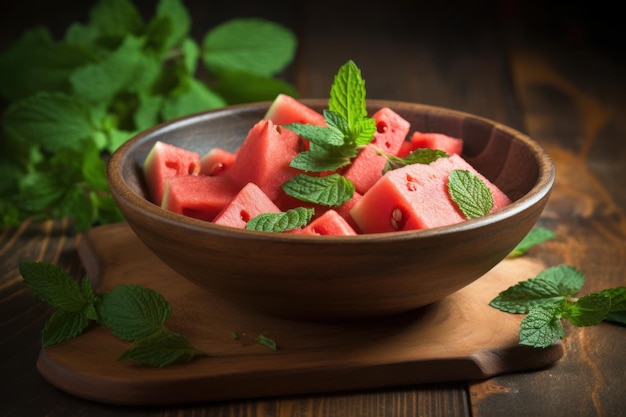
{"points": [[506, 157]]}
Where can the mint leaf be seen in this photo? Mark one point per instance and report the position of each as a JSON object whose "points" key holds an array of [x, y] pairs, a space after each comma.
{"points": [[542, 326], [50, 120], [161, 349], [133, 312], [191, 52], [36, 63], [549, 288], [347, 94], [180, 21], [53, 286], [250, 45], [330, 190], [617, 313], [63, 326], [281, 222], [319, 160], [418, 156], [197, 97], [90, 309], [319, 135], [356, 133], [114, 19], [74, 303], [265, 341], [100, 82], [241, 87], [469, 193], [566, 280], [588, 310], [536, 236]]}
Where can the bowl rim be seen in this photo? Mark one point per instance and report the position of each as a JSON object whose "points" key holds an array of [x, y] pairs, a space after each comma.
{"points": [[120, 189]]}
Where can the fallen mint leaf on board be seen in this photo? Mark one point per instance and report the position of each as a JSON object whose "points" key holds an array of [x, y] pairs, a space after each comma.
{"points": [[550, 297], [541, 327], [266, 341], [133, 313], [617, 313], [74, 302], [161, 349]]}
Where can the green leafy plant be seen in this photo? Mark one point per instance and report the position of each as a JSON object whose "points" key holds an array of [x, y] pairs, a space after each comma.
{"points": [[551, 297], [133, 313], [72, 102]]}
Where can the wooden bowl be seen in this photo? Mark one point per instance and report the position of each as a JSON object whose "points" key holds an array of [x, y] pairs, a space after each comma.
{"points": [[325, 278]]}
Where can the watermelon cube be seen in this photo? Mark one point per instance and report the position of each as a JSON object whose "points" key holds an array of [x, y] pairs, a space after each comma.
{"points": [[249, 202], [198, 196], [416, 197], [216, 162], [431, 140], [264, 158], [285, 110], [367, 167], [164, 161], [329, 223]]}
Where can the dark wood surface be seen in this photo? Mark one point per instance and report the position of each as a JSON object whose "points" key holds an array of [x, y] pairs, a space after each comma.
{"points": [[556, 73]]}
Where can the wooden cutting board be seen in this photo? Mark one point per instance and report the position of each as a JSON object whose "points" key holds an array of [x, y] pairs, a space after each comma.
{"points": [[458, 338]]}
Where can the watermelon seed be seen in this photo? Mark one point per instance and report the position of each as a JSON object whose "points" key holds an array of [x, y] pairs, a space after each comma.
{"points": [[245, 216], [397, 219], [217, 168]]}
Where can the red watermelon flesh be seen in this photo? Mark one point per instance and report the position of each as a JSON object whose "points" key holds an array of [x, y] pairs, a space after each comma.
{"points": [[165, 161], [416, 197], [216, 162], [344, 211], [198, 196], [249, 202], [285, 110], [264, 158], [367, 167], [329, 223], [430, 140]]}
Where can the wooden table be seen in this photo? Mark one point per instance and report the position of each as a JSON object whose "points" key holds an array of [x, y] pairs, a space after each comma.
{"points": [[555, 73]]}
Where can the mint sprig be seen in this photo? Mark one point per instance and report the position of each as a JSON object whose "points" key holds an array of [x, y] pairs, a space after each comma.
{"points": [[72, 101], [347, 130], [551, 297], [133, 313]]}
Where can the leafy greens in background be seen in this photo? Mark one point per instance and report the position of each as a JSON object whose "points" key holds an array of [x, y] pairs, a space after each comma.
{"points": [[74, 101]]}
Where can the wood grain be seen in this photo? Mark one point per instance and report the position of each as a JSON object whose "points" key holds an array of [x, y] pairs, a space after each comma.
{"points": [[459, 338], [461, 57]]}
